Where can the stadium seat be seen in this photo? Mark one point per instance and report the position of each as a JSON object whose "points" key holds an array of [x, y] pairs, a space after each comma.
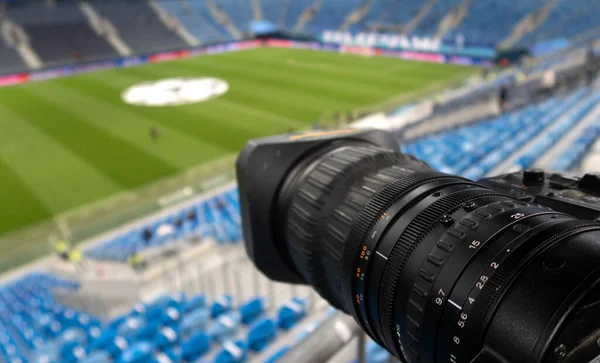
{"points": [[130, 326], [252, 309], [261, 333], [225, 326], [232, 352], [290, 313], [97, 357], [138, 353], [195, 347], [167, 338], [146, 332], [221, 306], [196, 320]]}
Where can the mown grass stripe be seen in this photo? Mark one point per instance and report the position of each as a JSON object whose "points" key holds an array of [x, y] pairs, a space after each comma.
{"points": [[210, 122], [56, 175], [19, 205], [129, 126], [122, 162]]}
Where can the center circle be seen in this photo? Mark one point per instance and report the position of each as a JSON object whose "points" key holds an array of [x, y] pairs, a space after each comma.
{"points": [[174, 91]]}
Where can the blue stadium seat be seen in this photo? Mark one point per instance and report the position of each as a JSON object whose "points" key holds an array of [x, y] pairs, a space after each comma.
{"points": [[196, 320], [232, 352], [167, 338], [252, 309], [97, 357], [225, 326], [221, 305], [195, 347], [261, 333], [290, 313], [138, 353]]}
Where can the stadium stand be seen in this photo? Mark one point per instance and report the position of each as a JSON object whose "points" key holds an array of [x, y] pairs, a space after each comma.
{"points": [[75, 41], [389, 12], [10, 60], [331, 15], [272, 10], [475, 150], [578, 149], [60, 32], [217, 218], [240, 13], [482, 26], [139, 26], [567, 19], [34, 327], [293, 10], [428, 25], [195, 18]]}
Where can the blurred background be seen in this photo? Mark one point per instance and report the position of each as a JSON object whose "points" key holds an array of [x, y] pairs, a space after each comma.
{"points": [[120, 121]]}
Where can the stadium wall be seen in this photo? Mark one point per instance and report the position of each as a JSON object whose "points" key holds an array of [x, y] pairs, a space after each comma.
{"points": [[424, 56]]}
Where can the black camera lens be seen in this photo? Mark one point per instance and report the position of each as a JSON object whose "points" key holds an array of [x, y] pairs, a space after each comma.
{"points": [[433, 266]]}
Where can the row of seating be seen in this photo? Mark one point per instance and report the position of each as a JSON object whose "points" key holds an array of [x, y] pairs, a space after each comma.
{"points": [[556, 132], [171, 328], [175, 329], [139, 26], [567, 19], [217, 217], [578, 149], [10, 60], [474, 150], [29, 316], [389, 12], [195, 17], [483, 26]]}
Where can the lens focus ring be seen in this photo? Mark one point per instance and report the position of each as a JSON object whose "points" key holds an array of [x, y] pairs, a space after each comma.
{"points": [[316, 232]]}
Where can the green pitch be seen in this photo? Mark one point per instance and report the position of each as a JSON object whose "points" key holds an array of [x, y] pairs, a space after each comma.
{"points": [[71, 141]]}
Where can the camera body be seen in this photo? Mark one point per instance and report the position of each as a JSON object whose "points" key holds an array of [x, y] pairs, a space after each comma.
{"points": [[434, 267], [577, 196]]}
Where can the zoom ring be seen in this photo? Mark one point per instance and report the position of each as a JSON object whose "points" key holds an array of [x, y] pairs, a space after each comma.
{"points": [[317, 195]]}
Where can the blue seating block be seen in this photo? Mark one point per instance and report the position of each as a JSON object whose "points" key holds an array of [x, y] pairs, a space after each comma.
{"points": [[261, 333], [252, 309], [166, 338], [138, 353], [195, 320], [232, 352], [290, 313], [221, 306], [97, 357], [225, 327], [195, 347]]}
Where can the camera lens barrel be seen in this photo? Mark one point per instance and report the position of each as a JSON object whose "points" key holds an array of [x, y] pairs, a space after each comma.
{"points": [[421, 259]]}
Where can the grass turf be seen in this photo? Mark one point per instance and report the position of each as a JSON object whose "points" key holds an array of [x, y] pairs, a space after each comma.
{"points": [[71, 141]]}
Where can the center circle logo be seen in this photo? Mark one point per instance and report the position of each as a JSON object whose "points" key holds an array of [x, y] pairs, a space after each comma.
{"points": [[175, 91]]}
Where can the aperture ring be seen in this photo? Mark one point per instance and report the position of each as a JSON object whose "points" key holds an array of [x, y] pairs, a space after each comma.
{"points": [[368, 216], [504, 275], [378, 230], [421, 221]]}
